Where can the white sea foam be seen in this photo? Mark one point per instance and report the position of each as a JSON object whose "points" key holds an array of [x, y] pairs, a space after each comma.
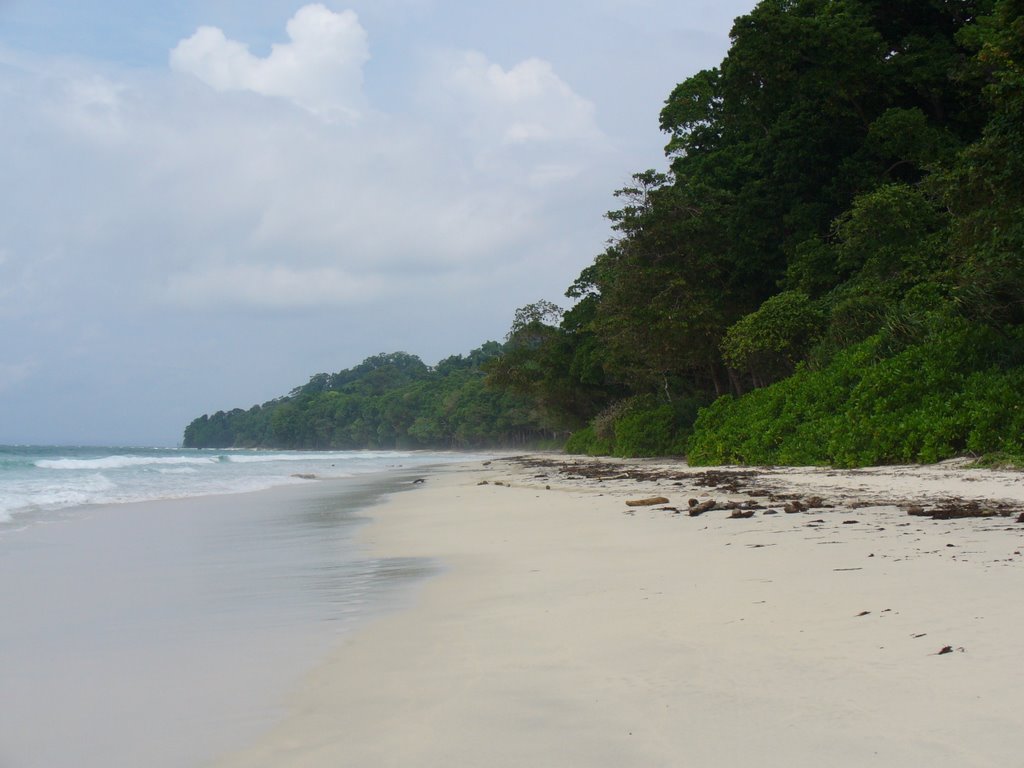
{"points": [[263, 458], [121, 462], [35, 482], [27, 496]]}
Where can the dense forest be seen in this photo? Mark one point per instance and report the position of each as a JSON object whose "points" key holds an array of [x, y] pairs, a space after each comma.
{"points": [[829, 269], [387, 401]]}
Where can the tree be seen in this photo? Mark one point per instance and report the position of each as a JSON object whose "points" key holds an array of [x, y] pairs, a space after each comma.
{"points": [[770, 342]]}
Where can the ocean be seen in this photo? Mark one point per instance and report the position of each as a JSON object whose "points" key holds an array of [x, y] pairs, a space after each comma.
{"points": [[38, 482], [158, 604]]}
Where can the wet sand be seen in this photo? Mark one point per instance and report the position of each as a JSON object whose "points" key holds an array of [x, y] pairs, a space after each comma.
{"points": [[163, 633]]}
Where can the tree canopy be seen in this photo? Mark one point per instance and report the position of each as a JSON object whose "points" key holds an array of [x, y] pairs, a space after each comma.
{"points": [[387, 401]]}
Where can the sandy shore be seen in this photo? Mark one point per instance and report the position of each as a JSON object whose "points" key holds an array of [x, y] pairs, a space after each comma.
{"points": [[569, 629]]}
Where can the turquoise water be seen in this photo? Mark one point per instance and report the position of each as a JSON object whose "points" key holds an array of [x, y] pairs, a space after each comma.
{"points": [[165, 632]]}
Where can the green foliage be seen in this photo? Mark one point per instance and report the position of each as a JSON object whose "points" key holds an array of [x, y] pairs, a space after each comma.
{"points": [[770, 341], [557, 368], [984, 189], [797, 167], [387, 401], [646, 431], [911, 143], [931, 401], [639, 426], [882, 233], [586, 441]]}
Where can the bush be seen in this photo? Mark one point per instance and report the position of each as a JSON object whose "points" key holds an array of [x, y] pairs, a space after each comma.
{"points": [[639, 426], [645, 432], [586, 442], [928, 402], [769, 342]]}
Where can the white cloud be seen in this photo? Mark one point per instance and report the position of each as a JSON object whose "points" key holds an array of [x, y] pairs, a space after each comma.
{"points": [[320, 69], [526, 104], [211, 202]]}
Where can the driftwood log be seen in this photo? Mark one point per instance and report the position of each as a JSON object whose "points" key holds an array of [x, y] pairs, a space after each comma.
{"points": [[646, 502]]}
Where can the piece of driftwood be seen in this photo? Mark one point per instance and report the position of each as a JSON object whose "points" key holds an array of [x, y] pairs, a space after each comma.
{"points": [[646, 502], [699, 508]]}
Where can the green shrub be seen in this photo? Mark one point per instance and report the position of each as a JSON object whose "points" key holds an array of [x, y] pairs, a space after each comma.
{"points": [[638, 426], [928, 402], [586, 442], [769, 342], [645, 432]]}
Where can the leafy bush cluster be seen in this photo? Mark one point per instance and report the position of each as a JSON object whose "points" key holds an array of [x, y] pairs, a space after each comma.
{"points": [[640, 426], [929, 402]]}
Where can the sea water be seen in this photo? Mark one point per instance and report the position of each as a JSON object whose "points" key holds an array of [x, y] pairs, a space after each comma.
{"points": [[38, 481], [155, 609]]}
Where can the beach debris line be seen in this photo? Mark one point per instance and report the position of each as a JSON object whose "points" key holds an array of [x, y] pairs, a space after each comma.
{"points": [[733, 481], [955, 507], [766, 484]]}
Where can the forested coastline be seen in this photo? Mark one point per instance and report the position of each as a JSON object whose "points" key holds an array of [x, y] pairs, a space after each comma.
{"points": [[829, 270], [388, 401]]}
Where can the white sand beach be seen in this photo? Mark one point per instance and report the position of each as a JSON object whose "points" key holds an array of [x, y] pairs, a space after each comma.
{"points": [[569, 629]]}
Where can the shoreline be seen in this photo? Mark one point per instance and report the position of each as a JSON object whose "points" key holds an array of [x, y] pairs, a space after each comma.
{"points": [[567, 628], [165, 632]]}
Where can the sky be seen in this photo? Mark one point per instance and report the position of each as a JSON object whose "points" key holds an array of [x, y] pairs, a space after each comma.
{"points": [[206, 203]]}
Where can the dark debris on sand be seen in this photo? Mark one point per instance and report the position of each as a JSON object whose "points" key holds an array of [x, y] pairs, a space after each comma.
{"points": [[955, 507], [733, 481], [749, 483]]}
